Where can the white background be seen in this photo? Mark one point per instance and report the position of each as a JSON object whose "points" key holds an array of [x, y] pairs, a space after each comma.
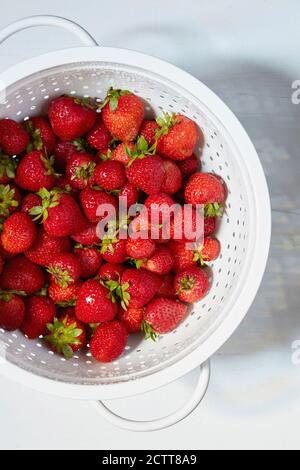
{"points": [[248, 53]]}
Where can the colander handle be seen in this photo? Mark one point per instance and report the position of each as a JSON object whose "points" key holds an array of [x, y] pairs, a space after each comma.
{"points": [[170, 420], [48, 20]]}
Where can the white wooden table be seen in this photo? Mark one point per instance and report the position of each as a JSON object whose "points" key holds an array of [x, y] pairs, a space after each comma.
{"points": [[248, 53]]}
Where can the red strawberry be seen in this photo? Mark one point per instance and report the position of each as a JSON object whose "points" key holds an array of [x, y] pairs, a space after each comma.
{"points": [[38, 312], [21, 275], [173, 179], [139, 287], [130, 192], [189, 166], [122, 153], [148, 130], [139, 248], [42, 136], [88, 236], [29, 202], [62, 153], [60, 213], [147, 174], [110, 175], [159, 206], [99, 137], [19, 233], [70, 118], [10, 199], [65, 269], [1, 264], [191, 285], [132, 319], [12, 311], [66, 335], [161, 262], [167, 288], [114, 250], [13, 138], [90, 260], [122, 114], [8, 167], [109, 341], [163, 315], [211, 249], [111, 271], [80, 169], [209, 226], [187, 226], [64, 296], [206, 189], [45, 246], [177, 136], [94, 303], [91, 199], [183, 256], [35, 171], [5, 254]]}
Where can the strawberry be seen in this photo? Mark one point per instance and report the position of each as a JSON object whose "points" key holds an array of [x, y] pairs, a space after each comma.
{"points": [[12, 311], [148, 130], [62, 152], [64, 269], [167, 287], [183, 256], [94, 303], [140, 249], [45, 246], [1, 264], [161, 261], [38, 312], [4, 254], [139, 287], [10, 199], [209, 226], [90, 260], [80, 169], [110, 175], [114, 250], [159, 206], [162, 316], [66, 335], [21, 275], [91, 199], [206, 189], [19, 233], [8, 167], [109, 341], [41, 134], [187, 226], [129, 193], [177, 136], [13, 138], [64, 296], [111, 271], [99, 137], [122, 153], [122, 114], [29, 202], [88, 236], [132, 319], [61, 215], [211, 249], [70, 118], [173, 179], [147, 174], [191, 285], [188, 166], [35, 171]]}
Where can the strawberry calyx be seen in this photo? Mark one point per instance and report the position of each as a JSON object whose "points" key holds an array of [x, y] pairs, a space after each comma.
{"points": [[48, 164], [199, 257], [141, 150], [69, 303], [7, 199], [137, 263], [50, 199], [112, 97], [213, 210], [117, 291], [6, 295], [8, 166], [84, 172], [93, 327], [35, 137], [62, 277], [61, 336], [187, 283], [165, 123], [85, 102], [148, 331], [106, 156]]}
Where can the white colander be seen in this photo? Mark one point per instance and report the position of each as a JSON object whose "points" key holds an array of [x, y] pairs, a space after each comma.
{"points": [[244, 232]]}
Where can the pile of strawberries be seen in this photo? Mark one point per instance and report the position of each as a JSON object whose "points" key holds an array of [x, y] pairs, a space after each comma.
{"points": [[60, 281]]}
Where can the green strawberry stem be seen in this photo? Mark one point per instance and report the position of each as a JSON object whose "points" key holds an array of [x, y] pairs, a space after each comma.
{"points": [[49, 199], [62, 278], [7, 195], [61, 336], [8, 166], [214, 210], [112, 97], [148, 331]]}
